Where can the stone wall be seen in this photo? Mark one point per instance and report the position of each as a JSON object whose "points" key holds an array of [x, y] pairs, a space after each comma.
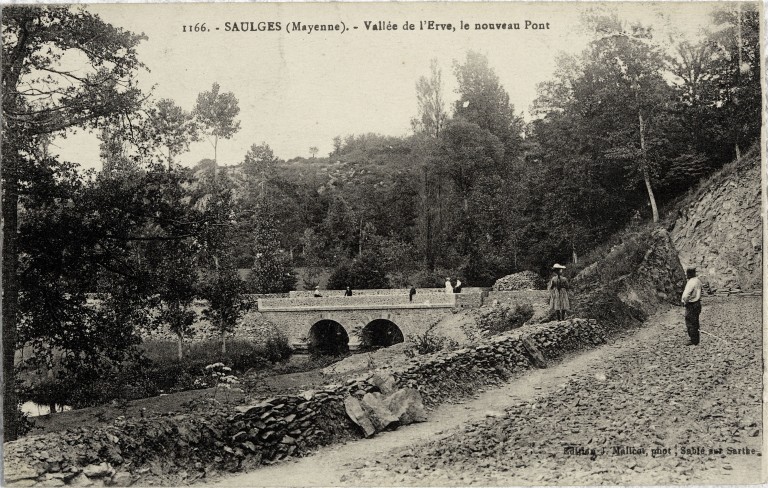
{"points": [[252, 327], [183, 448], [720, 232]]}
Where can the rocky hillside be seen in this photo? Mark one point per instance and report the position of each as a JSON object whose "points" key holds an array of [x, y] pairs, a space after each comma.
{"points": [[719, 228]]}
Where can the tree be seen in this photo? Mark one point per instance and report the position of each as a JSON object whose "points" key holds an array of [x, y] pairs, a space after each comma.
{"points": [[735, 73], [483, 101], [174, 277], [313, 150], [336, 146], [272, 271], [172, 128], [365, 272], [40, 98], [216, 112], [223, 289], [112, 151], [627, 69], [431, 106], [259, 167]]}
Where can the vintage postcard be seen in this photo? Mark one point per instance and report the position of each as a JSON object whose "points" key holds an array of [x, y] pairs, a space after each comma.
{"points": [[382, 244]]}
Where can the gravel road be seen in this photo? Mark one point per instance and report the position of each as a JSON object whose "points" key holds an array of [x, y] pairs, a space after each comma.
{"points": [[646, 409]]}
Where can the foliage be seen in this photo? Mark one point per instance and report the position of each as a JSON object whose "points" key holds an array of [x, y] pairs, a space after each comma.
{"points": [[432, 114], [503, 318], [172, 128], [430, 342], [42, 98], [366, 272], [484, 102], [271, 271], [215, 112]]}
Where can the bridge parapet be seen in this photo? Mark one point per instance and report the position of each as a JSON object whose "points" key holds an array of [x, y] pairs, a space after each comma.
{"points": [[358, 302], [378, 292]]}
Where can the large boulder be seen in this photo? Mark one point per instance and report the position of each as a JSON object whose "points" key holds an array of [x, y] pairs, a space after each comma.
{"points": [[378, 411]]}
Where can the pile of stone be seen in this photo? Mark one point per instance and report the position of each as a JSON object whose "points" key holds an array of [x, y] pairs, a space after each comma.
{"points": [[524, 280], [280, 427]]}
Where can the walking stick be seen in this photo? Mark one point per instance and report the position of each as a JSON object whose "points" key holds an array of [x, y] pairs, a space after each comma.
{"points": [[716, 337]]}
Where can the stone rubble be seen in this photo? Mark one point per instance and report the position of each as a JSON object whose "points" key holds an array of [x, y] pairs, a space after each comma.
{"points": [[524, 280]]}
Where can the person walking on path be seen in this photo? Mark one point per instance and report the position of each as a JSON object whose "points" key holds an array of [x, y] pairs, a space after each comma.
{"points": [[692, 301], [558, 292], [448, 285], [411, 293], [348, 292], [457, 289]]}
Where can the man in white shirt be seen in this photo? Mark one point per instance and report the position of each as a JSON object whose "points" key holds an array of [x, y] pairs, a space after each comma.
{"points": [[692, 301]]}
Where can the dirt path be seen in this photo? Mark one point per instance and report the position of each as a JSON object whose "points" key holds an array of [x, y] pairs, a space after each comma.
{"points": [[646, 390]]}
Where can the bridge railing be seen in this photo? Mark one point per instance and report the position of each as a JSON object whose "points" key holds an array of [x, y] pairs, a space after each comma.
{"points": [[420, 300], [376, 292]]}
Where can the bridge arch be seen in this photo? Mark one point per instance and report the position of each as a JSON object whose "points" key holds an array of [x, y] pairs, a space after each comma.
{"points": [[328, 337], [380, 333]]}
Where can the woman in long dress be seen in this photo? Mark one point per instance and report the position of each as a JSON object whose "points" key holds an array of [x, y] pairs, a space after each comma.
{"points": [[448, 286], [558, 292]]}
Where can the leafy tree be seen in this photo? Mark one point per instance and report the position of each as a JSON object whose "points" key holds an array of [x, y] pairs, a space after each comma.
{"points": [[627, 70], [215, 112], [259, 168], [483, 101], [734, 73], [336, 146], [365, 272], [172, 128], [313, 150], [272, 271], [223, 289], [112, 150], [40, 98], [432, 115], [172, 260]]}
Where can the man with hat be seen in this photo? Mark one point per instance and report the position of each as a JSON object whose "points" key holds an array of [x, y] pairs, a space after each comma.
{"points": [[692, 301], [558, 292]]}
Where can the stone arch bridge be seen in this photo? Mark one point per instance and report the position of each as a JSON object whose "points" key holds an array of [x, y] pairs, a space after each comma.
{"points": [[335, 323]]}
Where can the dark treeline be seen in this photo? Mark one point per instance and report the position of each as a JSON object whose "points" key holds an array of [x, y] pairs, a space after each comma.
{"points": [[620, 131]]}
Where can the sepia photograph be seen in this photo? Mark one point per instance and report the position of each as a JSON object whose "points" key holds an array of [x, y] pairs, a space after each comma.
{"points": [[382, 244]]}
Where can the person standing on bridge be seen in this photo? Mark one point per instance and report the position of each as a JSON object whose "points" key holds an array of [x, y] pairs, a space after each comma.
{"points": [[558, 292], [348, 292], [692, 301], [411, 293], [448, 285]]}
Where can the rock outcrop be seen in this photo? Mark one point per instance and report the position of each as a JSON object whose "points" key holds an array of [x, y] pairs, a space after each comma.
{"points": [[720, 232]]}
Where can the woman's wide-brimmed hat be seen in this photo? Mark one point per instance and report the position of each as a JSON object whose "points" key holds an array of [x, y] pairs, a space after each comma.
{"points": [[558, 266]]}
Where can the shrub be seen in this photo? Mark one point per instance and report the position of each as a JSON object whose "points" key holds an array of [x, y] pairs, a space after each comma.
{"points": [[501, 319], [429, 342], [277, 349], [365, 272], [431, 279]]}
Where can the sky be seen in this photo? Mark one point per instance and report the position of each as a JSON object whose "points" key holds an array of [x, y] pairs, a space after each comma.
{"points": [[298, 89]]}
